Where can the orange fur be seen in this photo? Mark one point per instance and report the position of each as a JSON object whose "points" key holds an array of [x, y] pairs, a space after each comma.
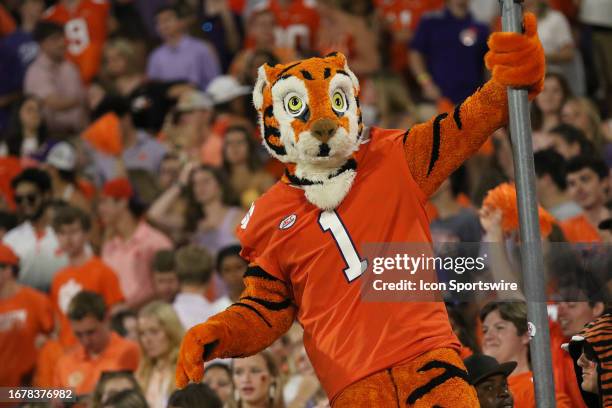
{"points": [[402, 381], [224, 334], [319, 101]]}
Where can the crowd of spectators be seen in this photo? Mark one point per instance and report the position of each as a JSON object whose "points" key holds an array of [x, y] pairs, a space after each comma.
{"points": [[129, 153]]}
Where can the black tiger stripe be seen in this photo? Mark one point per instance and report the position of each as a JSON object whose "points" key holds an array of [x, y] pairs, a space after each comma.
{"points": [[276, 306], [450, 371], [457, 115], [269, 112], [257, 272], [332, 54], [405, 137], [435, 146], [326, 73], [343, 72], [272, 131], [603, 344], [288, 68], [351, 164], [251, 308], [306, 75]]}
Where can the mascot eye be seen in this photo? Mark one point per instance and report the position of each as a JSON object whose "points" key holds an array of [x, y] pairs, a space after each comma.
{"points": [[339, 102], [294, 105]]}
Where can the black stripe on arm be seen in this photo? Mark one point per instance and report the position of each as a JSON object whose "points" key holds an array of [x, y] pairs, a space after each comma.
{"points": [[257, 272], [251, 308], [435, 146], [332, 54], [405, 137], [307, 75], [457, 115], [275, 306]]}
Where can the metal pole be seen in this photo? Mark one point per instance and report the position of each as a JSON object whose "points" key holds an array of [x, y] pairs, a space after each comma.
{"points": [[531, 254]]}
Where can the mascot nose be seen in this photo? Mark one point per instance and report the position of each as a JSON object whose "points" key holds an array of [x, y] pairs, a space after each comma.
{"points": [[324, 129]]}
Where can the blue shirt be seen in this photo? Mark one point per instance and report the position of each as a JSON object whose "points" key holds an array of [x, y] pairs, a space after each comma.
{"points": [[454, 51], [23, 45], [191, 60]]}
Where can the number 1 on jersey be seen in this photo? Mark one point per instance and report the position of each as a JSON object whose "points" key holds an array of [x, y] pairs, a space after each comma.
{"points": [[355, 266]]}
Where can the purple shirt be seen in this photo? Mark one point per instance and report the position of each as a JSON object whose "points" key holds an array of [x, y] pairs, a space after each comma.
{"points": [[191, 60]]}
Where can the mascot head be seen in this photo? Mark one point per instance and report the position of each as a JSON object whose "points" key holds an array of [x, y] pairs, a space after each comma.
{"points": [[309, 112]]}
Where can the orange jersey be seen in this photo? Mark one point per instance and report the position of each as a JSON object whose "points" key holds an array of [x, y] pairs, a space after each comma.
{"points": [[23, 317], [297, 25], [95, 276], [579, 229], [315, 253], [86, 30], [522, 388], [77, 370]]}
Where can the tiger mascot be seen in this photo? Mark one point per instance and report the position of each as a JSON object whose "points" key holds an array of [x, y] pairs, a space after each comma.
{"points": [[346, 185]]}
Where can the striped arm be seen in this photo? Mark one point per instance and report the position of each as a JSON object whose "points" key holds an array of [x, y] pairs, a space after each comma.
{"points": [[264, 312], [438, 147]]}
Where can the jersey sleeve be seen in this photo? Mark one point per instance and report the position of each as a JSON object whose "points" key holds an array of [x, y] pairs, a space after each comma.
{"points": [[255, 233]]}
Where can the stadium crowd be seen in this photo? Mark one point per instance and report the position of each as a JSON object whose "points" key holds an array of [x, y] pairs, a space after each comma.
{"points": [[130, 152]]}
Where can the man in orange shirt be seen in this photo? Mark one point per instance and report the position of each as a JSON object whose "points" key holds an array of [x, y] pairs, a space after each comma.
{"points": [[85, 26], [84, 272], [99, 350], [587, 184], [25, 317]]}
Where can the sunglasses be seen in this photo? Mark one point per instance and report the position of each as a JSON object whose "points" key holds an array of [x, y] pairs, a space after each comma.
{"points": [[29, 198]]}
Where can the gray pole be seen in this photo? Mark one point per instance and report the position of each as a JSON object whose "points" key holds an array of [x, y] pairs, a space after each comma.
{"points": [[531, 254]]}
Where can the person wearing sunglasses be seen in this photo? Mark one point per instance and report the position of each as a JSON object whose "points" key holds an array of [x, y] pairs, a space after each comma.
{"points": [[34, 240], [590, 350]]}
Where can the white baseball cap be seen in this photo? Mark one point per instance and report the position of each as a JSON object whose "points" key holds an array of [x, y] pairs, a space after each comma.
{"points": [[194, 100], [224, 88], [62, 156]]}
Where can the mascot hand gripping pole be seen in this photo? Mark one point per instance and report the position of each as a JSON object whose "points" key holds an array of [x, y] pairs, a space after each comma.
{"points": [[346, 185]]}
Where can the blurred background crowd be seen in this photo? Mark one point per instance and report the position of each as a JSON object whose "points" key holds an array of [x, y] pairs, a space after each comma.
{"points": [[130, 151]]}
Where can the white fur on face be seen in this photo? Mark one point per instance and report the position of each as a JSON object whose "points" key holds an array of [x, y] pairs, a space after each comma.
{"points": [[279, 91], [343, 143]]}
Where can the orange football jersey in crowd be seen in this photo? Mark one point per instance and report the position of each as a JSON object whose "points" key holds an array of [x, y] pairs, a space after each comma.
{"points": [[579, 229], [95, 276], [297, 24], [317, 253], [77, 370], [23, 318], [523, 391], [85, 28]]}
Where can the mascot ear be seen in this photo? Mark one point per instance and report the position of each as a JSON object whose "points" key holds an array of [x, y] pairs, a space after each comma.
{"points": [[339, 61], [260, 84]]}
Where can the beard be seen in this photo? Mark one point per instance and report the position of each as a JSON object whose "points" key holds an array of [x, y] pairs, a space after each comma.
{"points": [[36, 215]]}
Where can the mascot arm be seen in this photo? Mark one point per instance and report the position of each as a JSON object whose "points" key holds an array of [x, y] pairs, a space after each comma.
{"points": [[264, 312], [437, 148]]}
